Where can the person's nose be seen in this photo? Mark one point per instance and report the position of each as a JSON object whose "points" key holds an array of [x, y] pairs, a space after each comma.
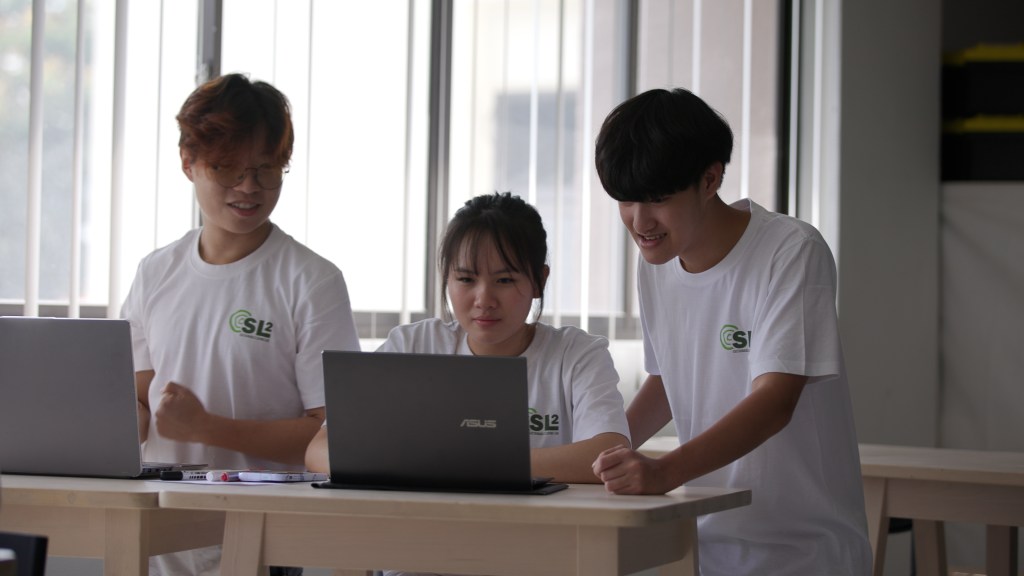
{"points": [[248, 184], [641, 218], [484, 296]]}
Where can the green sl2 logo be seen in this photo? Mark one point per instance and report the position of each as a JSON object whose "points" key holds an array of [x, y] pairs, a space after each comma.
{"points": [[242, 322], [543, 423], [735, 340]]}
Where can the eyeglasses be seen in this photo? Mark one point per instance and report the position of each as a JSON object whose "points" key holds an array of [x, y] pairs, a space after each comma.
{"points": [[267, 177]]}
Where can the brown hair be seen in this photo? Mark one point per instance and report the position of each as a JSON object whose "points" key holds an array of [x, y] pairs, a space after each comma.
{"points": [[229, 112]]}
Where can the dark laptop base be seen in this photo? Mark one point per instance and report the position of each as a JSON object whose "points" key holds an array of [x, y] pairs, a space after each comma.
{"points": [[541, 488], [149, 471]]}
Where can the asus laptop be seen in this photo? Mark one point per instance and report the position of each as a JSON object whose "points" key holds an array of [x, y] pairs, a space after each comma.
{"points": [[67, 399], [429, 422]]}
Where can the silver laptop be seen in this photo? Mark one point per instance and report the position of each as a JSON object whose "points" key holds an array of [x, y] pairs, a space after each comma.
{"points": [[429, 422], [67, 399]]}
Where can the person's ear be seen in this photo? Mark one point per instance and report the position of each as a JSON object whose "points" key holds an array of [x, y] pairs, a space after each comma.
{"points": [[186, 163], [542, 282], [711, 180]]}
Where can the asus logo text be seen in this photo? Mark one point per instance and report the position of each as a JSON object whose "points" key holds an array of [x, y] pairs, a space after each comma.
{"points": [[474, 423]]}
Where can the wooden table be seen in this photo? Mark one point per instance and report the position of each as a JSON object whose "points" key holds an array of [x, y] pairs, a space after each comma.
{"points": [[582, 530], [658, 446], [932, 486], [936, 485], [117, 520]]}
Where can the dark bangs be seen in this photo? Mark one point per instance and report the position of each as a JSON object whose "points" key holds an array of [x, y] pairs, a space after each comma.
{"points": [[659, 143]]}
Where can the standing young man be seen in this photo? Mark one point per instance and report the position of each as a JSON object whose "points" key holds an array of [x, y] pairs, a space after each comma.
{"points": [[229, 321], [741, 341]]}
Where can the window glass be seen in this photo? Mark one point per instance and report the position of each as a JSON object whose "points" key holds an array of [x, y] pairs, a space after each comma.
{"points": [[15, 75], [727, 52], [356, 190], [157, 202], [160, 67], [531, 83]]}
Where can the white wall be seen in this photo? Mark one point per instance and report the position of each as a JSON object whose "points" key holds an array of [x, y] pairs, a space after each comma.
{"points": [[930, 280], [889, 216], [983, 306]]}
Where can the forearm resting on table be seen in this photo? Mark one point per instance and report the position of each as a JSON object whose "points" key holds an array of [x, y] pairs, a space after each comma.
{"points": [[279, 440], [572, 462], [758, 417], [317, 459]]}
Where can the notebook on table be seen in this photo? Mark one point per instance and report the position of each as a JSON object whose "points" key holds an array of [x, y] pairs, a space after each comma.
{"points": [[429, 422], [67, 399]]}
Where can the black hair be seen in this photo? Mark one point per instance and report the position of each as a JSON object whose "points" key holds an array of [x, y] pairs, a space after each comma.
{"points": [[511, 224], [658, 143]]}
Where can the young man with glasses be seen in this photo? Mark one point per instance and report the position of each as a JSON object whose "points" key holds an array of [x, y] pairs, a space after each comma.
{"points": [[229, 321]]}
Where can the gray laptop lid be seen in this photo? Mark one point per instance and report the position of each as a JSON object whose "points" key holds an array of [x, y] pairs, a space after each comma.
{"points": [[427, 421], [67, 398]]}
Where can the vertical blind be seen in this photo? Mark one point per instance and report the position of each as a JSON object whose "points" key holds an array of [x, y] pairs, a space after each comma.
{"points": [[94, 178]]}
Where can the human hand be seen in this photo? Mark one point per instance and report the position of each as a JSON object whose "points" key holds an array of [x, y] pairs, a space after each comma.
{"points": [[180, 415], [626, 471]]}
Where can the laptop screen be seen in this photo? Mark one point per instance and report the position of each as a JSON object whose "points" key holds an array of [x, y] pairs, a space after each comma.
{"points": [[67, 397], [427, 421]]}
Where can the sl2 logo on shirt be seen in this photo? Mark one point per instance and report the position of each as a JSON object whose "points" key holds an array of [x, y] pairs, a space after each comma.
{"points": [[243, 324], [543, 423], [735, 340]]}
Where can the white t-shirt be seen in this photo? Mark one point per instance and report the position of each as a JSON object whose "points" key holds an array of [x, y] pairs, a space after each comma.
{"points": [[573, 385], [768, 306], [245, 337]]}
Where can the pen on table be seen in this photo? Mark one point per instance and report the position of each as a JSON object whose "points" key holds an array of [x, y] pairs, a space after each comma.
{"points": [[222, 475], [182, 475]]}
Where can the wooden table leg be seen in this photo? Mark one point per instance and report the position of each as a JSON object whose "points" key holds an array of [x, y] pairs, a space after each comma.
{"points": [[1001, 550], [126, 538], [243, 544], [690, 565], [681, 568], [930, 547], [606, 551], [875, 506], [598, 551]]}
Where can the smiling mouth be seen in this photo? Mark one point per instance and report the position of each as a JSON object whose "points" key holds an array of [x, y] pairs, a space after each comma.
{"points": [[243, 205], [650, 237]]}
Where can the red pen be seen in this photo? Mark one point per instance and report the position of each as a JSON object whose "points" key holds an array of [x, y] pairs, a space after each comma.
{"points": [[222, 476]]}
